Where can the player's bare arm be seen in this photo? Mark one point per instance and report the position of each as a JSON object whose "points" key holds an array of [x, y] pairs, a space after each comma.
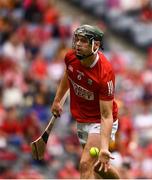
{"points": [[106, 128], [61, 90]]}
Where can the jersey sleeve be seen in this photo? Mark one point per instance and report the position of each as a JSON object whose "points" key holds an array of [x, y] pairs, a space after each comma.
{"points": [[66, 60], [107, 86], [68, 57]]}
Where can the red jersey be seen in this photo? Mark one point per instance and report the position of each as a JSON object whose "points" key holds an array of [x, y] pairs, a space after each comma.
{"points": [[88, 86]]}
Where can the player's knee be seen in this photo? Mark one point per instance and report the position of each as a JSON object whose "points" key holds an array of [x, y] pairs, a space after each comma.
{"points": [[84, 165]]}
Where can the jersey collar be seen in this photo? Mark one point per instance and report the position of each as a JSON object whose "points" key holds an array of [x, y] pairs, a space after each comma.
{"points": [[95, 61]]}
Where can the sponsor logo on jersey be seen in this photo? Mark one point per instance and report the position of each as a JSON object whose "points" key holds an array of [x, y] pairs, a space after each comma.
{"points": [[81, 91], [110, 88]]}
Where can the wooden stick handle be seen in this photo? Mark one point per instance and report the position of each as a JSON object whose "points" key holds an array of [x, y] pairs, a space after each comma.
{"points": [[53, 118]]}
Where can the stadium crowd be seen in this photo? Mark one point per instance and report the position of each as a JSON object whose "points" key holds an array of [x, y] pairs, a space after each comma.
{"points": [[34, 38]]}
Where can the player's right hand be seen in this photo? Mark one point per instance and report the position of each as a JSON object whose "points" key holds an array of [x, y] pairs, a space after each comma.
{"points": [[56, 109]]}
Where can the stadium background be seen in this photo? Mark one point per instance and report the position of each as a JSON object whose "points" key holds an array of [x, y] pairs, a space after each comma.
{"points": [[34, 36]]}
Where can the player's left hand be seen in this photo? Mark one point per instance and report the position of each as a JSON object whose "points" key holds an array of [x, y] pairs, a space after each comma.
{"points": [[103, 161]]}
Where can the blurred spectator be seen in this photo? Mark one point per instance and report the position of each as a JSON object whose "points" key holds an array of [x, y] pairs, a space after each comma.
{"points": [[45, 91], [71, 143], [12, 128], [28, 172], [149, 59], [6, 4], [6, 28], [51, 14], [6, 64], [143, 125], [3, 139], [16, 76], [147, 95], [2, 110], [54, 147], [6, 172], [56, 66], [15, 49], [31, 127], [68, 171], [118, 62], [11, 125], [32, 42], [12, 95], [39, 68], [33, 11], [147, 161], [129, 5], [126, 134], [146, 12]]}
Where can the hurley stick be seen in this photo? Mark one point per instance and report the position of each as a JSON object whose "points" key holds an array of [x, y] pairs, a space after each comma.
{"points": [[39, 145]]}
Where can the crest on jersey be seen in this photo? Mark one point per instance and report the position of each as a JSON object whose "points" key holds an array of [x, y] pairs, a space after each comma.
{"points": [[80, 74], [90, 81]]}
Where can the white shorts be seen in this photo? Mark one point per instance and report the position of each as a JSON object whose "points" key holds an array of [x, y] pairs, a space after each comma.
{"points": [[83, 129]]}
